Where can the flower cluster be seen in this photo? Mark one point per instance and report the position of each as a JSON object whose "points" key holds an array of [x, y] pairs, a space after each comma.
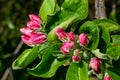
{"points": [[69, 40], [31, 34]]}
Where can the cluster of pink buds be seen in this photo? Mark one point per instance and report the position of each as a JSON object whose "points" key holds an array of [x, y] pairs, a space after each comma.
{"points": [[95, 64], [67, 39], [30, 33], [107, 77]]}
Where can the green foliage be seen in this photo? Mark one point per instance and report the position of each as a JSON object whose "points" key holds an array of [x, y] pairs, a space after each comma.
{"points": [[92, 29], [47, 9], [48, 65], [103, 43], [67, 16], [109, 24], [25, 58], [113, 74], [77, 71]]}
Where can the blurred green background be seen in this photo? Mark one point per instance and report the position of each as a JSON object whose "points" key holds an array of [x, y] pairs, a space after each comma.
{"points": [[13, 16]]}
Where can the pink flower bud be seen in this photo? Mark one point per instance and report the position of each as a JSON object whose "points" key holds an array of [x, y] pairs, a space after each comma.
{"points": [[26, 31], [107, 77], [34, 17], [33, 25], [37, 38], [95, 64], [71, 36], [66, 47], [61, 34], [83, 39], [26, 40], [75, 58]]}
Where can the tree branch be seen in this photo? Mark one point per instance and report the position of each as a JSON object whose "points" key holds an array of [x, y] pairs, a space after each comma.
{"points": [[100, 9], [8, 70]]}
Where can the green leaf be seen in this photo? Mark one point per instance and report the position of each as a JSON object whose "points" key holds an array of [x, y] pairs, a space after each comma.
{"points": [[105, 35], [48, 8], [77, 71], [48, 65], [67, 16], [25, 58], [114, 51], [113, 74], [79, 7], [109, 24], [116, 39], [92, 30], [98, 54], [104, 38]]}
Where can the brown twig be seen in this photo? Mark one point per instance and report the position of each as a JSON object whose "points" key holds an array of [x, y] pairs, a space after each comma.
{"points": [[100, 12], [8, 70]]}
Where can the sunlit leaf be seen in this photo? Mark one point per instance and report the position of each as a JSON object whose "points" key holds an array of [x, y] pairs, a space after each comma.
{"points": [[77, 71], [91, 29], [67, 16], [25, 58]]}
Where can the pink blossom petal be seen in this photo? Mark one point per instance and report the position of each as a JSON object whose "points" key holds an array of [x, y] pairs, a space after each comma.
{"points": [[71, 36], [95, 64], [107, 77], [34, 17], [34, 25], [26, 40], [66, 47], [83, 39], [37, 38], [26, 31], [75, 58], [61, 33]]}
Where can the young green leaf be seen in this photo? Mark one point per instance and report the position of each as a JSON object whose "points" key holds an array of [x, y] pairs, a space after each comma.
{"points": [[48, 65], [98, 54], [116, 39], [109, 24], [91, 29], [67, 16], [77, 71], [48, 8], [113, 74], [25, 58], [114, 51], [104, 38]]}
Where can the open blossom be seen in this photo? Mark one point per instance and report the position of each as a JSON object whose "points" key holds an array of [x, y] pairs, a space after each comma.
{"points": [[66, 47], [71, 36], [35, 38], [107, 77], [95, 64], [75, 58], [61, 34], [83, 39]]}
